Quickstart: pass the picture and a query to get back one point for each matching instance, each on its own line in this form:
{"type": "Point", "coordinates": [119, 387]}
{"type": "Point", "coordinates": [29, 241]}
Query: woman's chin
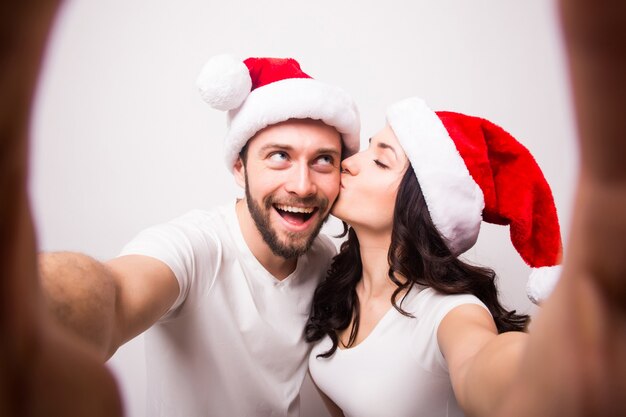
{"type": "Point", "coordinates": [339, 211]}
{"type": "Point", "coordinates": [338, 215]}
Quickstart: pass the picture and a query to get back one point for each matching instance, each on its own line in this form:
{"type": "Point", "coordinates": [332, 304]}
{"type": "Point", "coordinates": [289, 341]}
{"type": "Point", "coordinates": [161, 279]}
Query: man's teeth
{"type": "Point", "coordinates": [305, 210]}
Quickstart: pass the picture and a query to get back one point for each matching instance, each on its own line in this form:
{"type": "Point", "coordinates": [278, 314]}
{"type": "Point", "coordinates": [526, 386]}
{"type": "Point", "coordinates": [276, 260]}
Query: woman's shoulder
{"type": "Point", "coordinates": [428, 302]}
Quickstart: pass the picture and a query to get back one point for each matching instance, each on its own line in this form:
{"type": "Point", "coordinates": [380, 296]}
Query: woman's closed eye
{"type": "Point", "coordinates": [380, 164]}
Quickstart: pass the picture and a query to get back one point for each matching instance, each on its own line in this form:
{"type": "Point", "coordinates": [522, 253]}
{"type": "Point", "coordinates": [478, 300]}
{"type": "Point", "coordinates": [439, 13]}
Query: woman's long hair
{"type": "Point", "coordinates": [418, 253]}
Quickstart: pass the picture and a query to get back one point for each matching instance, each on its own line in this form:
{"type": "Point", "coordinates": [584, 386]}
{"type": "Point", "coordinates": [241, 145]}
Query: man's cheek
{"type": "Point", "coordinates": [334, 191]}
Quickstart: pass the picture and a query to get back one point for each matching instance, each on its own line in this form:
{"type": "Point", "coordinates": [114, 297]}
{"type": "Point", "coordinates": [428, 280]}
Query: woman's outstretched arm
{"type": "Point", "coordinates": [575, 363]}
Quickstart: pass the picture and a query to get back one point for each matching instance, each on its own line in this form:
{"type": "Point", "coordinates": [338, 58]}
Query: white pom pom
{"type": "Point", "coordinates": [224, 82]}
{"type": "Point", "coordinates": [541, 282]}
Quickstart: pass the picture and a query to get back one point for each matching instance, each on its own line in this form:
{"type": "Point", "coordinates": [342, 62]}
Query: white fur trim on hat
{"type": "Point", "coordinates": [455, 202]}
{"type": "Point", "coordinates": [224, 82]}
{"type": "Point", "coordinates": [293, 98]}
{"type": "Point", "coordinates": [541, 282]}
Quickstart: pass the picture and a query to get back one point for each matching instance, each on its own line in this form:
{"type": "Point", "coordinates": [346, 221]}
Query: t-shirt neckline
{"type": "Point", "coordinates": [245, 254]}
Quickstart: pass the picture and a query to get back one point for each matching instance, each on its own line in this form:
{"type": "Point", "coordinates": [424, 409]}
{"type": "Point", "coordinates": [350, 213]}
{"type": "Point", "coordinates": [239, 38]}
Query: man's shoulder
{"type": "Point", "coordinates": [196, 229]}
{"type": "Point", "coordinates": [201, 215]}
{"type": "Point", "coordinates": [204, 219]}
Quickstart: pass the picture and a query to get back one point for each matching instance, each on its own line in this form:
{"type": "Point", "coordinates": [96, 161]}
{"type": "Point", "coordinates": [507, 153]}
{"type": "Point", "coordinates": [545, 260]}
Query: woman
{"type": "Point", "coordinates": [404, 327]}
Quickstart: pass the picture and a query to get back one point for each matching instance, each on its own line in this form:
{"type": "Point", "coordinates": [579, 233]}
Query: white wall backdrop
{"type": "Point", "coordinates": [122, 140]}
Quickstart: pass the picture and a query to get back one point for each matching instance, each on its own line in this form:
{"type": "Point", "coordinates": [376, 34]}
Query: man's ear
{"type": "Point", "coordinates": [239, 170]}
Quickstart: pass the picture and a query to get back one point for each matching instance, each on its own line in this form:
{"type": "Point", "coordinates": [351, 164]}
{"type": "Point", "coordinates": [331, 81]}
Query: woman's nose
{"type": "Point", "coordinates": [349, 165]}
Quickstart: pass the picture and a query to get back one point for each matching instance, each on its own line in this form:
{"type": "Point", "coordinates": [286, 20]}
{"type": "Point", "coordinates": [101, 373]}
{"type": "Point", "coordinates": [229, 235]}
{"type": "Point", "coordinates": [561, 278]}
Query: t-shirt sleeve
{"type": "Point", "coordinates": [191, 251]}
{"type": "Point", "coordinates": [433, 309]}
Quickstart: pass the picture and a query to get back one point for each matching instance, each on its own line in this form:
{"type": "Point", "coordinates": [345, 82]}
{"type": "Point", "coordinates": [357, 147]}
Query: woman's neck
{"type": "Point", "coordinates": [374, 250]}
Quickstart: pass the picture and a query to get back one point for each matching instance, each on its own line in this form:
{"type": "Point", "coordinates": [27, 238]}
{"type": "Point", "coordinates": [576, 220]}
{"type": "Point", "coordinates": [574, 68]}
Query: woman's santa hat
{"type": "Point", "coordinates": [471, 170]}
{"type": "Point", "coordinates": [260, 92]}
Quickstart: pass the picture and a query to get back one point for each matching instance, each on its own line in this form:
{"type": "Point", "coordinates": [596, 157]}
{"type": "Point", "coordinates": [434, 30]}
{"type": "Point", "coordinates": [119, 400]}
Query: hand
{"type": "Point", "coordinates": [44, 372]}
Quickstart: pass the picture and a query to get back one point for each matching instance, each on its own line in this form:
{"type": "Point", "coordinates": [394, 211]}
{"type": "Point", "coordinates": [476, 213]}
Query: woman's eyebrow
{"type": "Point", "coordinates": [383, 145]}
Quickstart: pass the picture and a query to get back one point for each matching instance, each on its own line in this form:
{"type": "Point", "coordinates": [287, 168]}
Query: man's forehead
{"type": "Point", "coordinates": [294, 132]}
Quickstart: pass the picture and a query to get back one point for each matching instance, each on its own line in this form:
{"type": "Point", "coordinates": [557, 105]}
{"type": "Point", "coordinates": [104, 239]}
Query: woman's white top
{"type": "Point", "coordinates": [398, 370]}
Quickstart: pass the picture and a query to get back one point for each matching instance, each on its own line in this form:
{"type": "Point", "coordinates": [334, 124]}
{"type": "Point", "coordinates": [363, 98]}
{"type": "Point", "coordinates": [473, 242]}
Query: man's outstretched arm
{"type": "Point", "coordinates": [44, 371]}
{"type": "Point", "coordinates": [106, 303]}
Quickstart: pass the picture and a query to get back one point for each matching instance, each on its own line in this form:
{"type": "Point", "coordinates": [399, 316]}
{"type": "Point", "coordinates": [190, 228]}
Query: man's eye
{"type": "Point", "coordinates": [279, 156]}
{"type": "Point", "coordinates": [380, 164]}
{"type": "Point", "coordinates": [325, 160]}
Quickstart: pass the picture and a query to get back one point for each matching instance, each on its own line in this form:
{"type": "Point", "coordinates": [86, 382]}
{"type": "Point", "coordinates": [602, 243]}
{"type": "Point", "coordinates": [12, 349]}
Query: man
{"type": "Point", "coordinates": [229, 289]}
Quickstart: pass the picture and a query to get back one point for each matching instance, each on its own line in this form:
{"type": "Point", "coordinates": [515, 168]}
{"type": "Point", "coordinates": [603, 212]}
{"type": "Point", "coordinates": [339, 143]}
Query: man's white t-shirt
{"type": "Point", "coordinates": [398, 370]}
{"type": "Point", "coordinates": [233, 342]}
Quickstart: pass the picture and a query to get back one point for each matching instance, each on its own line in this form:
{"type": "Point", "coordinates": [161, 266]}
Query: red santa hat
{"type": "Point", "coordinates": [260, 92]}
{"type": "Point", "coordinates": [471, 170]}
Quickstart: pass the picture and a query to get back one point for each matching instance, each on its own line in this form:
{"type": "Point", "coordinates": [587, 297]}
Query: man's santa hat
{"type": "Point", "coordinates": [260, 92]}
{"type": "Point", "coordinates": [471, 170]}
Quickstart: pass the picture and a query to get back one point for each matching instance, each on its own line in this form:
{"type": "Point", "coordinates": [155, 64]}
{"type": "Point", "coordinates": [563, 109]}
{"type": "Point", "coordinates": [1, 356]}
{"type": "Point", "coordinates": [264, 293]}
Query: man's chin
{"type": "Point", "coordinates": [288, 244]}
{"type": "Point", "coordinates": [298, 246]}
{"type": "Point", "coordinates": [288, 252]}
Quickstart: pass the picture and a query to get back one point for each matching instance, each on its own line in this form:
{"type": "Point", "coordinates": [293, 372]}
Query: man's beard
{"type": "Point", "coordinates": [295, 244]}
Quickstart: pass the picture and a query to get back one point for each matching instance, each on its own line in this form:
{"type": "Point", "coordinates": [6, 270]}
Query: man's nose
{"type": "Point", "coordinates": [301, 182]}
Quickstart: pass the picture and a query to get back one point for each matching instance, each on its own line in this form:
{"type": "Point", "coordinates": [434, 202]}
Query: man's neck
{"type": "Point", "coordinates": [278, 266]}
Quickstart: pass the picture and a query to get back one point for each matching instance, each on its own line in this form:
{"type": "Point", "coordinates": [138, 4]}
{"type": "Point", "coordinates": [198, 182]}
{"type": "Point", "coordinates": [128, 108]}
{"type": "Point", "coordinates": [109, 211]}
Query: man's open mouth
{"type": "Point", "coordinates": [295, 215]}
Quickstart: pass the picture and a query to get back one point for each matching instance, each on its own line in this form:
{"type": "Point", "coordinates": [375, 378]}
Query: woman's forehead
{"type": "Point", "coordinates": [386, 139]}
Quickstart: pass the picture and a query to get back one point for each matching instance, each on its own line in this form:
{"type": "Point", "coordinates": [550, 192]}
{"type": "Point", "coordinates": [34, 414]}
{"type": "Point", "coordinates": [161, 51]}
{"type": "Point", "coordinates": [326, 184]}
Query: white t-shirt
{"type": "Point", "coordinates": [233, 342]}
{"type": "Point", "coordinates": [398, 370]}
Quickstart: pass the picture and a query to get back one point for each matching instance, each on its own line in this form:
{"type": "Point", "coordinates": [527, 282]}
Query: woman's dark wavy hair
{"type": "Point", "coordinates": [417, 252]}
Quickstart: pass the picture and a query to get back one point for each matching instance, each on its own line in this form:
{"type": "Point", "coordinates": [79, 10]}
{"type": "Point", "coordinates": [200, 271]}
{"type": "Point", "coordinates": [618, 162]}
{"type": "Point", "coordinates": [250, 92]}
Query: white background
{"type": "Point", "coordinates": [122, 140]}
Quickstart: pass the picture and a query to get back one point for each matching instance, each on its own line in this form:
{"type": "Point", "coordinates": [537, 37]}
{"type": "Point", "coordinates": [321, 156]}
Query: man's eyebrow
{"type": "Point", "coordinates": [383, 145]}
{"type": "Point", "coordinates": [284, 147]}
{"type": "Point", "coordinates": [331, 151]}
{"type": "Point", "coordinates": [275, 146]}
